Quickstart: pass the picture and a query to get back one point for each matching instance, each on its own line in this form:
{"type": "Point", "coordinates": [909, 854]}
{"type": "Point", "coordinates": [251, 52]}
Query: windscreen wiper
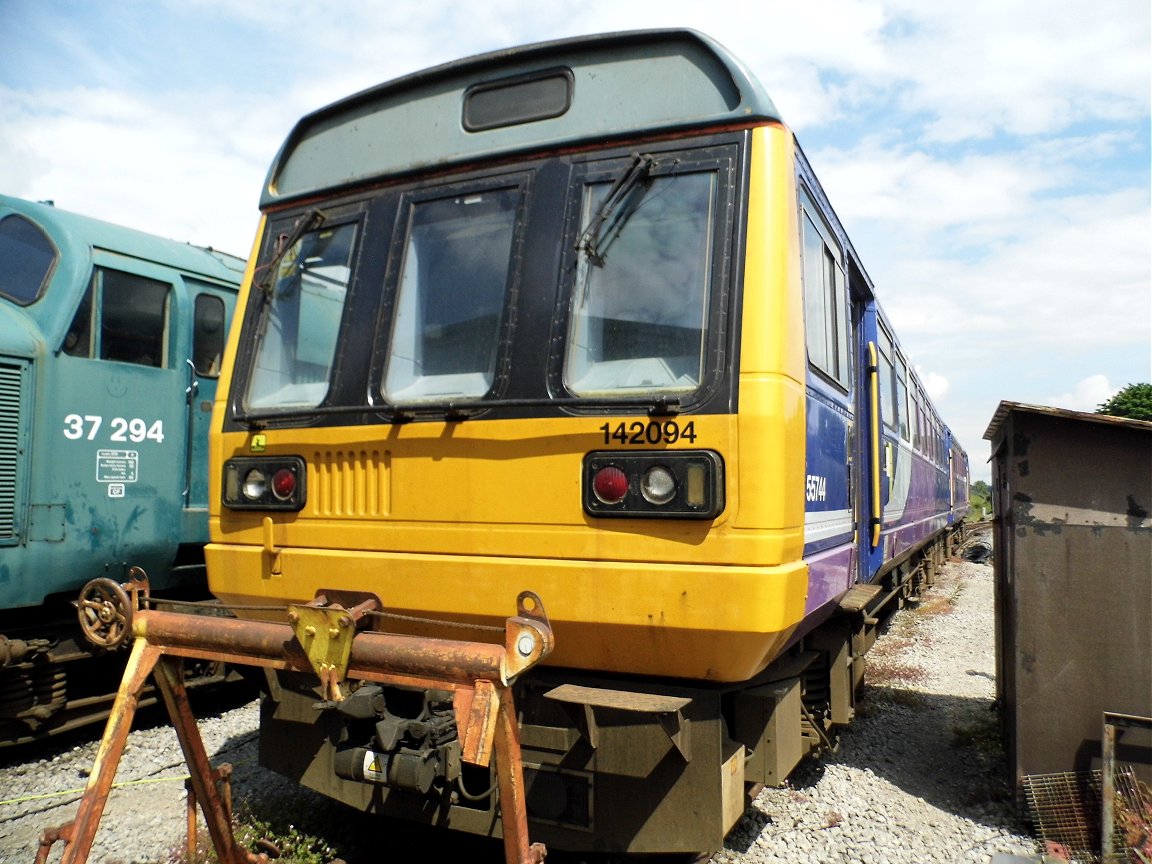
{"type": "Point", "coordinates": [312, 219]}
{"type": "Point", "coordinates": [613, 211]}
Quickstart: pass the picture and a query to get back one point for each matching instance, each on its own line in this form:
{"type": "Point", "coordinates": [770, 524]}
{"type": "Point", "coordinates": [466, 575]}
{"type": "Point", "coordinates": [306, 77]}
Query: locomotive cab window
{"type": "Point", "coordinates": [454, 276]}
{"type": "Point", "coordinates": [825, 299]}
{"type": "Point", "coordinates": [208, 335]}
{"type": "Point", "coordinates": [27, 257]}
{"type": "Point", "coordinates": [296, 342]}
{"type": "Point", "coordinates": [644, 280]}
{"type": "Point", "coordinates": [130, 324]}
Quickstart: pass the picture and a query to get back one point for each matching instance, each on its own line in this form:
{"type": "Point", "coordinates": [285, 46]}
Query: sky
{"type": "Point", "coordinates": [989, 159]}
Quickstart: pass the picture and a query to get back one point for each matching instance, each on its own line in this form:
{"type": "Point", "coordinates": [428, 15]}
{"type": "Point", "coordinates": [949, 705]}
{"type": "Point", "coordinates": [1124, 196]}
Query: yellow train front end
{"type": "Point", "coordinates": [571, 368]}
{"type": "Point", "coordinates": [452, 519]}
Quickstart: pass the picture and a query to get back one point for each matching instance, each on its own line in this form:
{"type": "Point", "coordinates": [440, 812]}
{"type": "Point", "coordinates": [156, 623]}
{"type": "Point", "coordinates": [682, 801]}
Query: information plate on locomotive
{"type": "Point", "coordinates": [117, 466]}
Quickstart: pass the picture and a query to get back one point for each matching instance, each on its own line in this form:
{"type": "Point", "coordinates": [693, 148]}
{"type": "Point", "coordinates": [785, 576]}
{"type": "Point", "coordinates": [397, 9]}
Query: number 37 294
{"type": "Point", "coordinates": [89, 426]}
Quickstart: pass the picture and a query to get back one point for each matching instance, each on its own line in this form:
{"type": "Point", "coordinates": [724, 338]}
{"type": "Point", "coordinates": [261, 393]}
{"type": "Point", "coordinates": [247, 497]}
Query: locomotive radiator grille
{"type": "Point", "coordinates": [11, 378]}
{"type": "Point", "coordinates": [351, 483]}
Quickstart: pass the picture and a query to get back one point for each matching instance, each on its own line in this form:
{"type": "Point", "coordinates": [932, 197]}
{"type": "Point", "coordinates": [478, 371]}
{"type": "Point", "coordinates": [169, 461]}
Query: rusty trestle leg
{"type": "Point", "coordinates": [169, 677]}
{"type": "Point", "coordinates": [80, 833]}
{"type": "Point", "coordinates": [510, 776]}
{"type": "Point", "coordinates": [324, 638]}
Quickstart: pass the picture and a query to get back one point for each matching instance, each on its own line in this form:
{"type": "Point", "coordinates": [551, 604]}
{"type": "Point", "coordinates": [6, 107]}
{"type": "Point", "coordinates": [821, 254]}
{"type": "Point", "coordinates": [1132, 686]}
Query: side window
{"type": "Point", "coordinates": [825, 301]}
{"type": "Point", "coordinates": [78, 340]}
{"type": "Point", "coordinates": [888, 380]}
{"type": "Point", "coordinates": [919, 439]}
{"type": "Point", "coordinates": [902, 398]}
{"type": "Point", "coordinates": [208, 332]}
{"type": "Point", "coordinates": [123, 317]}
{"type": "Point", "coordinates": [28, 257]}
{"type": "Point", "coordinates": [134, 325]}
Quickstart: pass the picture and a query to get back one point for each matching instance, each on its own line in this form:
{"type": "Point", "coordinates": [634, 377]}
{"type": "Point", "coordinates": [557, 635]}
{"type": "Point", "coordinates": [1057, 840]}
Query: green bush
{"type": "Point", "coordinates": [1133, 402]}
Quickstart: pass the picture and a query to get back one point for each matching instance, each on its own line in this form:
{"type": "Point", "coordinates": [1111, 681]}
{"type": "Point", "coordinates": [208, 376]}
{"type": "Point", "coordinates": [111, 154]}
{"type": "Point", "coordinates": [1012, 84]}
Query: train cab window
{"type": "Point", "coordinates": [296, 344]}
{"type": "Point", "coordinates": [208, 332]}
{"type": "Point", "coordinates": [27, 257]}
{"type": "Point", "coordinates": [825, 301]}
{"type": "Point", "coordinates": [123, 317]}
{"type": "Point", "coordinates": [643, 285]}
{"type": "Point", "coordinates": [450, 299]}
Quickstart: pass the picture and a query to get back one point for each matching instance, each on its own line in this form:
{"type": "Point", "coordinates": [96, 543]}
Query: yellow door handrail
{"type": "Point", "coordinates": [874, 450]}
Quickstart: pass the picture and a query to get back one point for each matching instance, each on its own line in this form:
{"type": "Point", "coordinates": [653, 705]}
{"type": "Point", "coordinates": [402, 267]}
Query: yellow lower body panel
{"type": "Point", "coordinates": [716, 623]}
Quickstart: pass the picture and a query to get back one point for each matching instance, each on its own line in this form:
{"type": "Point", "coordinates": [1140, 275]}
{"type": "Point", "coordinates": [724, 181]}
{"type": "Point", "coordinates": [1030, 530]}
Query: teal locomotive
{"type": "Point", "coordinates": [111, 342]}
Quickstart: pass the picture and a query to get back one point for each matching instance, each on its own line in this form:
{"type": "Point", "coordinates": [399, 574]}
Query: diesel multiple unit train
{"type": "Point", "coordinates": [577, 319]}
{"type": "Point", "coordinates": [111, 343]}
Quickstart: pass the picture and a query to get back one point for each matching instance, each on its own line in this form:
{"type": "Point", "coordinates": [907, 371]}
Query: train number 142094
{"type": "Point", "coordinates": [652, 432]}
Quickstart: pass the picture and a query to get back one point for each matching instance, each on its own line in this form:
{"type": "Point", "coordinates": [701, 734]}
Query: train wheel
{"type": "Point", "coordinates": [105, 613]}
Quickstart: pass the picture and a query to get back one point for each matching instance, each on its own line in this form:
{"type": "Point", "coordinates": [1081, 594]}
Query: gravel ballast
{"type": "Point", "coordinates": [918, 777]}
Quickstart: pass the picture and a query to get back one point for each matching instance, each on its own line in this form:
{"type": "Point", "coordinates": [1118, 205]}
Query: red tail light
{"type": "Point", "coordinates": [610, 484]}
{"type": "Point", "coordinates": [284, 484]}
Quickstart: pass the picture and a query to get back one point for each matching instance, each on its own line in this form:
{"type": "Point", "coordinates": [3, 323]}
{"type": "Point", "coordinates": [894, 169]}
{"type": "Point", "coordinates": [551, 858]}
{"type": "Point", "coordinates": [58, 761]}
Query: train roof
{"type": "Point", "coordinates": [1005, 408]}
{"type": "Point", "coordinates": [548, 94]}
{"type": "Point", "coordinates": [76, 234]}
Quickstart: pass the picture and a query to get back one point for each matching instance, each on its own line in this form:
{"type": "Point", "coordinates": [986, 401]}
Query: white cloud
{"type": "Point", "coordinates": [916, 191]}
{"type": "Point", "coordinates": [187, 166]}
{"type": "Point", "coordinates": [1086, 395]}
{"type": "Point", "coordinates": [935, 384]}
{"type": "Point", "coordinates": [1025, 67]}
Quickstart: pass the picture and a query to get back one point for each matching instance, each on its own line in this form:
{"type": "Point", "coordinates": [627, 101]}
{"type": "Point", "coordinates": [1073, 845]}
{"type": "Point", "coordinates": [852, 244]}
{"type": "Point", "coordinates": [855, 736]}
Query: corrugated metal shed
{"type": "Point", "coordinates": [1073, 561]}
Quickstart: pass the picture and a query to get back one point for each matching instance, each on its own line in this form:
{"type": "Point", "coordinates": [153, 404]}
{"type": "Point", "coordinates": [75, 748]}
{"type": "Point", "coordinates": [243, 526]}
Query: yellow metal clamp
{"type": "Point", "coordinates": [874, 449]}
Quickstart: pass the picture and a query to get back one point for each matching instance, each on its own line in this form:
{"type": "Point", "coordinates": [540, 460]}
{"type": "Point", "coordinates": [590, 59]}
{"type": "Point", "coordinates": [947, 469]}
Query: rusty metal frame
{"type": "Point", "coordinates": [479, 674]}
{"type": "Point", "coordinates": [1115, 725]}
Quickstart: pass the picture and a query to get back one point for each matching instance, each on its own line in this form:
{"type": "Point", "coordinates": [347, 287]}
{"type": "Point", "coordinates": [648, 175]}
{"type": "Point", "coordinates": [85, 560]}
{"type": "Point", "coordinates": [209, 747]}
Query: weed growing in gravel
{"type": "Point", "coordinates": [939, 603]}
{"type": "Point", "coordinates": [893, 673]}
{"type": "Point", "coordinates": [891, 644]}
{"type": "Point", "coordinates": [982, 733]}
{"type": "Point", "coordinates": [283, 842]}
{"type": "Point", "coordinates": [913, 700]}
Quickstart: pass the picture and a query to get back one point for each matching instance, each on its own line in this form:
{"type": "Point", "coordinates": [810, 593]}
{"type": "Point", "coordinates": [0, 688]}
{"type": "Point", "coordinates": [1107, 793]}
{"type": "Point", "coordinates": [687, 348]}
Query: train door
{"type": "Point", "coordinates": [211, 311]}
{"type": "Point", "coordinates": [867, 454]}
{"type": "Point", "coordinates": [951, 478]}
{"type": "Point", "coordinates": [830, 548]}
{"type": "Point", "coordinates": [123, 410]}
